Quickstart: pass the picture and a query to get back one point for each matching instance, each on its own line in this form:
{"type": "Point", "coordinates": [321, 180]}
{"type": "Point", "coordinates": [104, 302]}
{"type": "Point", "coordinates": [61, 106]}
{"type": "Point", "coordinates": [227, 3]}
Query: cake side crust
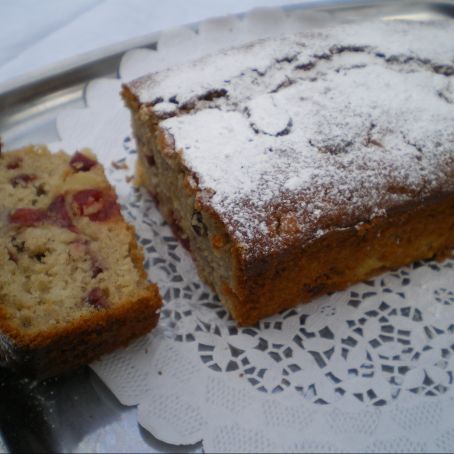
{"type": "Point", "coordinates": [80, 342]}
{"type": "Point", "coordinates": [342, 258]}
{"type": "Point", "coordinates": [292, 149]}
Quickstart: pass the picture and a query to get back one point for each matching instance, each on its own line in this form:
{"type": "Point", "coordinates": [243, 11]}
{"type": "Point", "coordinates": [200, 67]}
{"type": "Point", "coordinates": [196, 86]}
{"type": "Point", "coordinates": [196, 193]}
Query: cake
{"type": "Point", "coordinates": [294, 166]}
{"type": "Point", "coordinates": [72, 281]}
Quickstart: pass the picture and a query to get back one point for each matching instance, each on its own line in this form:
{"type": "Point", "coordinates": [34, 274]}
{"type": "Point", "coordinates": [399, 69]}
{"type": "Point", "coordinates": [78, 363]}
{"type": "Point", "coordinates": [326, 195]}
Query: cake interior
{"type": "Point", "coordinates": [63, 254]}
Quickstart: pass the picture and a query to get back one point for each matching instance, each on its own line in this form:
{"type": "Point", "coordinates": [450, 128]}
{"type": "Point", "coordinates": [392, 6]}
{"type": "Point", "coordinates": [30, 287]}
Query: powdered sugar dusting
{"type": "Point", "coordinates": [309, 133]}
{"type": "Point", "coordinates": [201, 78]}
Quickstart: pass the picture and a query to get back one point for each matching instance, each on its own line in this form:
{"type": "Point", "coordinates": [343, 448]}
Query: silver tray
{"type": "Point", "coordinates": [59, 414]}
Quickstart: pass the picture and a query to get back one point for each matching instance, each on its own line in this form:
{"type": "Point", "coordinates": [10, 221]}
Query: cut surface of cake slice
{"type": "Point", "coordinates": [294, 166]}
{"type": "Point", "coordinates": [72, 281]}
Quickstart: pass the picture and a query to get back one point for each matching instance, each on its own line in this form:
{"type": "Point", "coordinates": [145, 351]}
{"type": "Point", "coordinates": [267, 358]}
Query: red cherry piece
{"type": "Point", "coordinates": [97, 298]}
{"type": "Point", "coordinates": [14, 164]}
{"type": "Point", "coordinates": [179, 233]}
{"type": "Point", "coordinates": [110, 208]}
{"type": "Point", "coordinates": [81, 163]}
{"type": "Point", "coordinates": [87, 202]}
{"type": "Point", "coordinates": [58, 213]}
{"type": "Point", "coordinates": [96, 270]}
{"type": "Point", "coordinates": [96, 205]}
{"type": "Point", "coordinates": [27, 216]}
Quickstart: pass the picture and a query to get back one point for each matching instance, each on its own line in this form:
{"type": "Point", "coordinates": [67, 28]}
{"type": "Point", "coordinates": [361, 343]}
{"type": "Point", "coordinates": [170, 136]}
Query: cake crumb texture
{"type": "Point", "coordinates": [72, 283]}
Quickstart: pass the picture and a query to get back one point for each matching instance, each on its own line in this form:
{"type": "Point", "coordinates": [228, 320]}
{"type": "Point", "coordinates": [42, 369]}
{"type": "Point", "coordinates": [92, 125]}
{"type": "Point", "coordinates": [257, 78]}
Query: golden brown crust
{"type": "Point", "coordinates": [81, 341]}
{"type": "Point", "coordinates": [341, 258]}
{"type": "Point", "coordinates": [136, 253]}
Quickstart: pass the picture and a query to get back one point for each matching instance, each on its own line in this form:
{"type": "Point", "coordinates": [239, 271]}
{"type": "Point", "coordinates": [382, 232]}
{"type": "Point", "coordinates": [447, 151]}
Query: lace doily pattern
{"type": "Point", "coordinates": [382, 349]}
{"type": "Point", "coordinates": [369, 369]}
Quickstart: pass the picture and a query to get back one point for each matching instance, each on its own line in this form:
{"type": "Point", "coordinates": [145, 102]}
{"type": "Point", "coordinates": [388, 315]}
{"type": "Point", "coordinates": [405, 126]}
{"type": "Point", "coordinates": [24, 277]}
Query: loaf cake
{"type": "Point", "coordinates": [295, 166]}
{"type": "Point", "coordinates": [72, 282]}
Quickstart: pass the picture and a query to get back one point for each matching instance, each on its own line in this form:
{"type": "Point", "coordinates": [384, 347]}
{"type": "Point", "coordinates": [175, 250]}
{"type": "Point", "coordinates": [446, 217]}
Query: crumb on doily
{"type": "Point", "coordinates": [129, 178]}
{"type": "Point", "coordinates": [119, 165]}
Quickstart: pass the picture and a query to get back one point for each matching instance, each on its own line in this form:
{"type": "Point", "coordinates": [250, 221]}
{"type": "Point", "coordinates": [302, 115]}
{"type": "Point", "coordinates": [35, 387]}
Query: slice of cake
{"type": "Point", "coordinates": [295, 166]}
{"type": "Point", "coordinates": [72, 282]}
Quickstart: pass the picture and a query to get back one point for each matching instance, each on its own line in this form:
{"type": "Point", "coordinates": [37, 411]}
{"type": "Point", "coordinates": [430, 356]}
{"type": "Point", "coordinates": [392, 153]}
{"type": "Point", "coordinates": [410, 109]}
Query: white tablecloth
{"type": "Point", "coordinates": [37, 33]}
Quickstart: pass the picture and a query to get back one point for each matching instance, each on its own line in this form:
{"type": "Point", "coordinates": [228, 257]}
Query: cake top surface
{"type": "Point", "coordinates": [295, 136]}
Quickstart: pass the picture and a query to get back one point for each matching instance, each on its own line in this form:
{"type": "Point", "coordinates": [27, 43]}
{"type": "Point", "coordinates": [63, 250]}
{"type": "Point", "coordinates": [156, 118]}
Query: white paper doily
{"type": "Point", "coordinates": [368, 369]}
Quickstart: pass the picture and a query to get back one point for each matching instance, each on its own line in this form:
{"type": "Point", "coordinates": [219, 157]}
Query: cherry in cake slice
{"type": "Point", "coordinates": [72, 282]}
